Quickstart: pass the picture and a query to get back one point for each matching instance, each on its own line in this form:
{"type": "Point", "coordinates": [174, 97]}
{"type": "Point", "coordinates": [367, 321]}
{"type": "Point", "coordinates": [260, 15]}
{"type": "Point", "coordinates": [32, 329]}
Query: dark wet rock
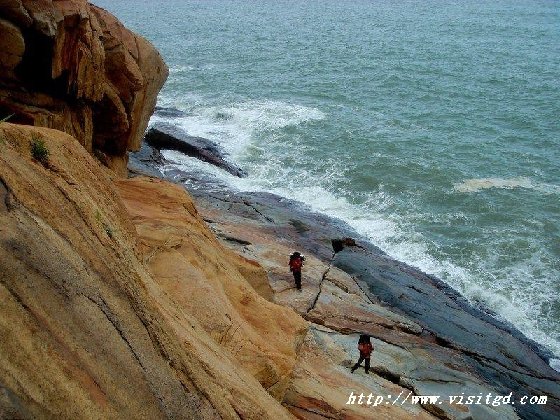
{"type": "Point", "coordinates": [497, 352]}
{"type": "Point", "coordinates": [149, 155]}
{"type": "Point", "coordinates": [339, 244]}
{"type": "Point", "coordinates": [146, 161]}
{"type": "Point", "coordinates": [169, 137]}
{"type": "Point", "coordinates": [455, 333]}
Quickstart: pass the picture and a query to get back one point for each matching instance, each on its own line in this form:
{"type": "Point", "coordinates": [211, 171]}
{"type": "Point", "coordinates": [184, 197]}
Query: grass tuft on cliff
{"type": "Point", "coordinates": [2, 141]}
{"type": "Point", "coordinates": [39, 151]}
{"type": "Point", "coordinates": [108, 231]}
{"type": "Point", "coordinates": [6, 118]}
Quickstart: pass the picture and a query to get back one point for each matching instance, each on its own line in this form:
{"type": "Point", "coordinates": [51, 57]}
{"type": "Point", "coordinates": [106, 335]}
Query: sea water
{"type": "Point", "coordinates": [432, 127]}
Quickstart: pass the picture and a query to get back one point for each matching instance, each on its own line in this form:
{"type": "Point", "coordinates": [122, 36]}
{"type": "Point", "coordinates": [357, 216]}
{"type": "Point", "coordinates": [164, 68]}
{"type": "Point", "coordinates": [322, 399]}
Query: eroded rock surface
{"type": "Point", "coordinates": [99, 321]}
{"type": "Point", "coordinates": [72, 66]}
{"type": "Point", "coordinates": [121, 299]}
{"type": "Point", "coordinates": [213, 284]}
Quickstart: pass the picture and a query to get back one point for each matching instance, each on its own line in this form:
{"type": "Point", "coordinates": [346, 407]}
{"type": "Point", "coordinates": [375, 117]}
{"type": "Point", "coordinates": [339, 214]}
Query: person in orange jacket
{"type": "Point", "coordinates": [365, 347]}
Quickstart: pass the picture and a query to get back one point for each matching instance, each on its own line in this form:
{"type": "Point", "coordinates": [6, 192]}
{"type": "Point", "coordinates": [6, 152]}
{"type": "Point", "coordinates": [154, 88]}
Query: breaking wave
{"type": "Point", "coordinates": [235, 126]}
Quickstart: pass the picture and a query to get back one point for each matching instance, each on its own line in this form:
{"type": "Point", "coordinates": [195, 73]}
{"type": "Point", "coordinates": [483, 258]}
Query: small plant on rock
{"type": "Point", "coordinates": [6, 118]}
{"type": "Point", "coordinates": [39, 151]}
{"type": "Point", "coordinates": [108, 231]}
{"type": "Point", "coordinates": [2, 141]}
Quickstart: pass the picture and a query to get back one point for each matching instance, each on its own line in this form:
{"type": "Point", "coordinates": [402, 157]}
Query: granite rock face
{"type": "Point", "coordinates": [128, 301]}
{"type": "Point", "coordinates": [72, 66]}
{"type": "Point", "coordinates": [122, 299]}
{"type": "Point", "coordinates": [106, 314]}
{"type": "Point", "coordinates": [213, 284]}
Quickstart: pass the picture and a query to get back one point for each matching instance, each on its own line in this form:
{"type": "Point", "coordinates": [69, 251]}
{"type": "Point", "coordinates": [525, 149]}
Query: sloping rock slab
{"type": "Point", "coordinates": [168, 137]}
{"type": "Point", "coordinates": [88, 328]}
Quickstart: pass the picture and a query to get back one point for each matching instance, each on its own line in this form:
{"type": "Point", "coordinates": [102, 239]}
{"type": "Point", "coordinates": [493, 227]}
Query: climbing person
{"type": "Point", "coordinates": [296, 262]}
{"type": "Point", "coordinates": [365, 347]}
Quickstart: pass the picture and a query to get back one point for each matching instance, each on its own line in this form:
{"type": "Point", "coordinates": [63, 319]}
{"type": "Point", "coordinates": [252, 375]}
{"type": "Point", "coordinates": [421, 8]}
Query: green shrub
{"type": "Point", "coordinates": [39, 151]}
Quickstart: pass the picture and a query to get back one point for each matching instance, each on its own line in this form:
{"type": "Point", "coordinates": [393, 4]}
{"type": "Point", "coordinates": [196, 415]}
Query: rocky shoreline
{"type": "Point", "coordinates": [124, 297]}
{"type": "Point", "coordinates": [428, 338]}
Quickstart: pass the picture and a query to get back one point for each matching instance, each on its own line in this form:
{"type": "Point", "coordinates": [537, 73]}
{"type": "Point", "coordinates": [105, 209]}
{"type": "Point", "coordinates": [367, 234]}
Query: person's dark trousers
{"type": "Point", "coordinates": [297, 278]}
{"type": "Point", "coordinates": [360, 360]}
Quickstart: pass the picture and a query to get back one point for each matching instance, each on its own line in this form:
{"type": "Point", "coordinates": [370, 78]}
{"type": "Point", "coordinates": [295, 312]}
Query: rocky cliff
{"type": "Point", "coordinates": [72, 66]}
{"type": "Point", "coordinates": [118, 301]}
{"type": "Point", "coordinates": [121, 298]}
{"type": "Point", "coordinates": [99, 321]}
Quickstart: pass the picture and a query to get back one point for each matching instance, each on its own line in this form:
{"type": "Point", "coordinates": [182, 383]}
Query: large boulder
{"type": "Point", "coordinates": [72, 66]}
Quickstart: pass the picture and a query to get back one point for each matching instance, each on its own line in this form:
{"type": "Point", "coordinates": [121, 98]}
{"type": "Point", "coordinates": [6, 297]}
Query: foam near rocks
{"type": "Point", "coordinates": [479, 184]}
{"type": "Point", "coordinates": [235, 125]}
{"type": "Point", "coordinates": [397, 237]}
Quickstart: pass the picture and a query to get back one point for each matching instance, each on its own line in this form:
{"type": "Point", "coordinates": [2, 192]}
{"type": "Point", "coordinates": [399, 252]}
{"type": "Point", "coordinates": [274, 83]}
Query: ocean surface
{"type": "Point", "coordinates": [431, 127]}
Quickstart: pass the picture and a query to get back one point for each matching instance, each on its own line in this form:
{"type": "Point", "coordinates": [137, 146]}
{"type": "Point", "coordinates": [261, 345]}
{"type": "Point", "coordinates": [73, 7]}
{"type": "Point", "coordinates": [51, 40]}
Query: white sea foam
{"type": "Point", "coordinates": [555, 364]}
{"type": "Point", "coordinates": [505, 297]}
{"type": "Point", "coordinates": [394, 235]}
{"type": "Point", "coordinates": [180, 69]}
{"type": "Point", "coordinates": [478, 184]}
{"type": "Point", "coordinates": [234, 126]}
{"type": "Point", "coordinates": [191, 164]}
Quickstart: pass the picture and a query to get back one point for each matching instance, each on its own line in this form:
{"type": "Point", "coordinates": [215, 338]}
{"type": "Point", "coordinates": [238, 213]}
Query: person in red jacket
{"type": "Point", "coordinates": [296, 262]}
{"type": "Point", "coordinates": [365, 347]}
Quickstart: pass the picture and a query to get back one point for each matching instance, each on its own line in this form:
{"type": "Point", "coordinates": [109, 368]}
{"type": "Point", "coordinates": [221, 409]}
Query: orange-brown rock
{"type": "Point", "coordinates": [12, 46]}
{"type": "Point", "coordinates": [209, 282]}
{"type": "Point", "coordinates": [72, 66]}
{"type": "Point", "coordinates": [88, 330]}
